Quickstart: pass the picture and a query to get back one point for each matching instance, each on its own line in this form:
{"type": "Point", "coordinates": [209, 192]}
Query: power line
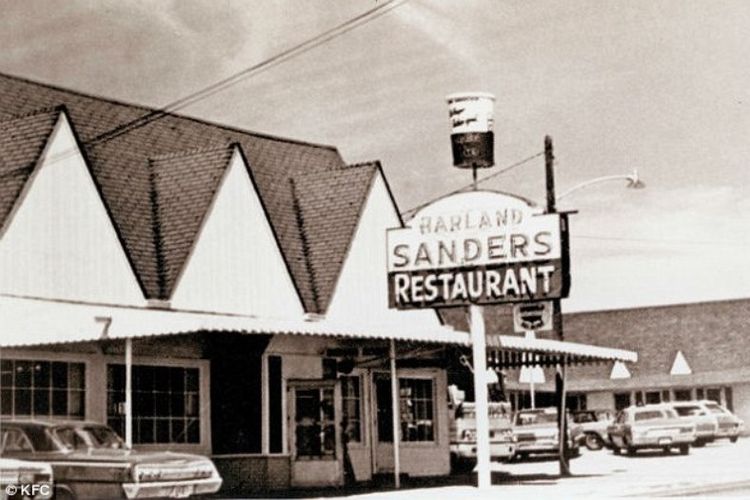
{"type": "Point", "coordinates": [283, 56]}
{"type": "Point", "coordinates": [469, 186]}
{"type": "Point", "coordinates": [660, 241]}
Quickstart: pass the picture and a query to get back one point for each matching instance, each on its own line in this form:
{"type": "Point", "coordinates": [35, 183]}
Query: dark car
{"type": "Point", "coordinates": [89, 460]}
{"type": "Point", "coordinates": [594, 424]}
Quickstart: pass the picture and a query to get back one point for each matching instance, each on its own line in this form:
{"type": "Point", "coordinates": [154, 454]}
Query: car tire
{"type": "Point", "coordinates": [684, 449]}
{"type": "Point", "coordinates": [593, 442]}
{"type": "Point", "coordinates": [666, 450]}
{"type": "Point", "coordinates": [631, 451]}
{"type": "Point", "coordinates": [733, 439]}
{"type": "Point", "coordinates": [699, 443]}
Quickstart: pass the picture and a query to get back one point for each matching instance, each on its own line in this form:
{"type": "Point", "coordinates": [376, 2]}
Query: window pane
{"type": "Point", "coordinates": [6, 373]}
{"type": "Point", "coordinates": [42, 402]}
{"type": "Point", "coordinates": [59, 402]}
{"type": "Point", "coordinates": [42, 374]}
{"type": "Point", "coordinates": [22, 403]}
{"type": "Point", "coordinates": [60, 375]}
{"type": "Point", "coordinates": [23, 374]}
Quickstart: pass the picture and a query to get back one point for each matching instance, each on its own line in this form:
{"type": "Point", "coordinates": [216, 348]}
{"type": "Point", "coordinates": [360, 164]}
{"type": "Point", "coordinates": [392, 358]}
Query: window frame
{"type": "Point", "coordinates": [431, 376]}
{"type": "Point", "coordinates": [362, 441]}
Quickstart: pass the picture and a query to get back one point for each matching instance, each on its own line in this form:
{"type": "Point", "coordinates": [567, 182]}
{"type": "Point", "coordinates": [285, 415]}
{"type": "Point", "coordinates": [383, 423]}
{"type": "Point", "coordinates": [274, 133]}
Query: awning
{"type": "Point", "coordinates": [510, 351]}
{"type": "Point", "coordinates": [32, 321]}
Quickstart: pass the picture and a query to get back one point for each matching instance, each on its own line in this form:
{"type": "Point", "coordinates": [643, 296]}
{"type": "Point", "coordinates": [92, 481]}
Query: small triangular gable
{"type": "Point", "coordinates": [619, 371]}
{"type": "Point", "coordinates": [236, 265]}
{"type": "Point", "coordinates": [680, 365]}
{"type": "Point", "coordinates": [361, 293]}
{"type": "Point", "coordinates": [60, 242]}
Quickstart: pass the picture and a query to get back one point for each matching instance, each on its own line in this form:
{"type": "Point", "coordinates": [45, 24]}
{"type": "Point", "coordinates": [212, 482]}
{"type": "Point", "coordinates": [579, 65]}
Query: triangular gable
{"type": "Point", "coordinates": [680, 365]}
{"type": "Point", "coordinates": [361, 293]}
{"type": "Point", "coordinates": [619, 371]}
{"type": "Point", "coordinates": [236, 265]}
{"type": "Point", "coordinates": [60, 241]}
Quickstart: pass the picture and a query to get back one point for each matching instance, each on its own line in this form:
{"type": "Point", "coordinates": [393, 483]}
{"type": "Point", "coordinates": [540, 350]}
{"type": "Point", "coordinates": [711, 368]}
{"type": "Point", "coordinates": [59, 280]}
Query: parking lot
{"type": "Point", "coordinates": [718, 469]}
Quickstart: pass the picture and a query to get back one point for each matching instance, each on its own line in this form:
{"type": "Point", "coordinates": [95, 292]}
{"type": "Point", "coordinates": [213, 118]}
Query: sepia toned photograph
{"type": "Point", "coordinates": [374, 248]}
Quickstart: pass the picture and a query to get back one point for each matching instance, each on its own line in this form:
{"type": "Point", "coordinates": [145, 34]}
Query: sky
{"type": "Point", "coordinates": [658, 86]}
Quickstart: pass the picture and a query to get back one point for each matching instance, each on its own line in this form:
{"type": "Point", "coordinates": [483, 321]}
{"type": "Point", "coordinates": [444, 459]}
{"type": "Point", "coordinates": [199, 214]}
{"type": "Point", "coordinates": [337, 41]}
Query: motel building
{"type": "Point", "coordinates": [240, 278]}
{"type": "Point", "coordinates": [685, 351]}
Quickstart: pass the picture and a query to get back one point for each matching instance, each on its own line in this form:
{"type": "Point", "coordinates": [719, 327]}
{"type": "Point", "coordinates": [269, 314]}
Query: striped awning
{"type": "Point", "coordinates": [31, 321]}
{"type": "Point", "coordinates": [510, 351]}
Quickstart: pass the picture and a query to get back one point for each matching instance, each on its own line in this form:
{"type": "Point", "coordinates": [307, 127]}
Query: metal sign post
{"type": "Point", "coordinates": [479, 352]}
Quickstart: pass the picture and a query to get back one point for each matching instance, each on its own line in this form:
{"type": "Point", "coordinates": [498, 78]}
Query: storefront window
{"type": "Point", "coordinates": [682, 395]}
{"type": "Point", "coordinates": [351, 395]}
{"type": "Point", "coordinates": [622, 400]}
{"type": "Point", "coordinates": [315, 423]}
{"type": "Point", "coordinates": [417, 412]}
{"type": "Point", "coordinates": [166, 403]}
{"type": "Point", "coordinates": [32, 388]}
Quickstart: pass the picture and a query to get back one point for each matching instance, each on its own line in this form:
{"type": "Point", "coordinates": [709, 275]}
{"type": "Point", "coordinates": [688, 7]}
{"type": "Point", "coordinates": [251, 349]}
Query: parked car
{"type": "Point", "coordinates": [650, 426]}
{"type": "Point", "coordinates": [593, 424]}
{"type": "Point", "coordinates": [89, 460]}
{"type": "Point", "coordinates": [730, 426]}
{"type": "Point", "coordinates": [24, 479]}
{"type": "Point", "coordinates": [706, 422]}
{"type": "Point", "coordinates": [463, 427]}
{"type": "Point", "coordinates": [536, 433]}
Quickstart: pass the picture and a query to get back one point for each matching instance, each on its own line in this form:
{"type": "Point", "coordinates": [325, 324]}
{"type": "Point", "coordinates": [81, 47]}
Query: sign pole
{"type": "Point", "coordinates": [479, 352]}
{"type": "Point", "coordinates": [129, 392]}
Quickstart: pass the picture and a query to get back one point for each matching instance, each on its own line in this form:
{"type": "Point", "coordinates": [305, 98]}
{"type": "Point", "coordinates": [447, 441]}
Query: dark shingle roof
{"type": "Point", "coordinates": [711, 335]}
{"type": "Point", "coordinates": [124, 168]}
{"type": "Point", "coordinates": [22, 141]}
{"type": "Point", "coordinates": [328, 207]}
{"type": "Point", "coordinates": [183, 184]}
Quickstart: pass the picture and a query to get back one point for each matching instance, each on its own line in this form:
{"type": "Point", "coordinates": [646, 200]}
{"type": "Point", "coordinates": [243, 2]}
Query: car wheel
{"type": "Point", "coordinates": [699, 443]}
{"type": "Point", "coordinates": [593, 442]}
{"type": "Point", "coordinates": [665, 450]}
{"type": "Point", "coordinates": [631, 451]}
{"type": "Point", "coordinates": [733, 439]}
{"type": "Point", "coordinates": [684, 449]}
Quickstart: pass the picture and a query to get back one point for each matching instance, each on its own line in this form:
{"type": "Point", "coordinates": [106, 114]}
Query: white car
{"type": "Point", "coordinates": [706, 422]}
{"type": "Point", "coordinates": [650, 426]}
{"type": "Point", "coordinates": [730, 426]}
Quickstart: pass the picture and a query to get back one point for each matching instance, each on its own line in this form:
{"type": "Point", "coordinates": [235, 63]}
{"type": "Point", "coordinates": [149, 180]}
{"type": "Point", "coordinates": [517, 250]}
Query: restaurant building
{"type": "Point", "coordinates": [685, 351]}
{"type": "Point", "coordinates": [242, 277]}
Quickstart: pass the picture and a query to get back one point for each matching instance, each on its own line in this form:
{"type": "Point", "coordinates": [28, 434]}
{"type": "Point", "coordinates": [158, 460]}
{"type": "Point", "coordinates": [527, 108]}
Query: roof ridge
{"type": "Point", "coordinates": [149, 109]}
{"type": "Point", "coordinates": [193, 151]}
{"type": "Point", "coordinates": [41, 111]}
{"type": "Point", "coordinates": [371, 163]}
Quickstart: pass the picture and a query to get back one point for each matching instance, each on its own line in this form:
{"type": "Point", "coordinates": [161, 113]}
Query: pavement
{"type": "Point", "coordinates": [720, 469]}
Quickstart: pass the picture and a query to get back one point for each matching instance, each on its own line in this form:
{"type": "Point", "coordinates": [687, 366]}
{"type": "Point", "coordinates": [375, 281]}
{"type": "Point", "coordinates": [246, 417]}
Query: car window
{"type": "Point", "coordinates": [38, 436]}
{"type": "Point", "coordinates": [687, 411]}
{"type": "Point", "coordinates": [14, 440]}
{"type": "Point", "coordinates": [582, 418]}
{"type": "Point", "coordinates": [716, 409]}
{"type": "Point", "coordinates": [648, 415]}
{"type": "Point", "coordinates": [535, 418]}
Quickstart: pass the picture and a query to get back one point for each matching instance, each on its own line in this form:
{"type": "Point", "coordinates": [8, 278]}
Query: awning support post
{"type": "Point", "coordinates": [479, 353]}
{"type": "Point", "coordinates": [129, 392]}
{"type": "Point", "coordinates": [396, 418]}
{"type": "Point", "coordinates": [562, 420]}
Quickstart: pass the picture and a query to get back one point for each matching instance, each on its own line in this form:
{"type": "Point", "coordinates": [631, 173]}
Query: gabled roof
{"type": "Point", "coordinates": [183, 184]}
{"type": "Point", "coordinates": [125, 167]}
{"type": "Point", "coordinates": [329, 205]}
{"type": "Point", "coordinates": [22, 141]}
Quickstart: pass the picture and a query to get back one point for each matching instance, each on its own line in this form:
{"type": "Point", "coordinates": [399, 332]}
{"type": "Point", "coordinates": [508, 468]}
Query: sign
{"type": "Point", "coordinates": [472, 138]}
{"type": "Point", "coordinates": [478, 247]}
{"type": "Point", "coordinates": [532, 316]}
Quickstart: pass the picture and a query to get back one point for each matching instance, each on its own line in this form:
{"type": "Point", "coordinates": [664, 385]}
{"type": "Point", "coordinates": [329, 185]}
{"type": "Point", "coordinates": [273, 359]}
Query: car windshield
{"type": "Point", "coordinates": [535, 418]}
{"type": "Point", "coordinates": [582, 418]}
{"type": "Point", "coordinates": [89, 437]}
{"type": "Point", "coordinates": [717, 409]}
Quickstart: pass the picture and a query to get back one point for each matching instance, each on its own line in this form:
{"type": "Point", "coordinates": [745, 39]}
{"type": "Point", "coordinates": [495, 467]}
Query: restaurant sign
{"type": "Point", "coordinates": [477, 247]}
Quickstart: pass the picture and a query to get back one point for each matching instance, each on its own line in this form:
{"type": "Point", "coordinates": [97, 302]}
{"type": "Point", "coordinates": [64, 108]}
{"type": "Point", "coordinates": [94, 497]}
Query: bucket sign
{"type": "Point", "coordinates": [478, 247]}
{"type": "Point", "coordinates": [472, 136]}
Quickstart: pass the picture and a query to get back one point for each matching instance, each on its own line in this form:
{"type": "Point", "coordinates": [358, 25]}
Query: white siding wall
{"type": "Point", "coordinates": [600, 401]}
{"type": "Point", "coordinates": [61, 242]}
{"type": "Point", "coordinates": [361, 294]}
{"type": "Point", "coordinates": [236, 265]}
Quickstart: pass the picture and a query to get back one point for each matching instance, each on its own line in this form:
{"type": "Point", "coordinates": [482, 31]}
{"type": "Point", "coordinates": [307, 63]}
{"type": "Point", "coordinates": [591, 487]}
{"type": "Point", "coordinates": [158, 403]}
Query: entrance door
{"type": "Point", "coordinates": [383, 424]}
{"type": "Point", "coordinates": [315, 440]}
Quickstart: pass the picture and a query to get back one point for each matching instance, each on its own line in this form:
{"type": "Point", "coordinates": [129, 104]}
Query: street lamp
{"type": "Point", "coordinates": [633, 180]}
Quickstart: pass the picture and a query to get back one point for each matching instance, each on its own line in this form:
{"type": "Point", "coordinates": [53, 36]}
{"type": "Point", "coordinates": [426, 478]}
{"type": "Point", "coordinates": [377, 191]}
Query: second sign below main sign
{"type": "Point", "coordinates": [479, 247]}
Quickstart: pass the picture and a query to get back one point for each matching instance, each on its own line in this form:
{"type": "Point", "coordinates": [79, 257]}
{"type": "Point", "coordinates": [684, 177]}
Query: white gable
{"type": "Point", "coordinates": [619, 370]}
{"type": "Point", "coordinates": [680, 365]}
{"type": "Point", "coordinates": [60, 242]}
{"type": "Point", "coordinates": [236, 265]}
{"type": "Point", "coordinates": [361, 293]}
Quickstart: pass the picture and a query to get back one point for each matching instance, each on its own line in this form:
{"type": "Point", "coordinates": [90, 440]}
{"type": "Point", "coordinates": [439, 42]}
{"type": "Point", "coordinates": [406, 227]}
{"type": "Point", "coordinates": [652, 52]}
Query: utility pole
{"type": "Point", "coordinates": [557, 319]}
